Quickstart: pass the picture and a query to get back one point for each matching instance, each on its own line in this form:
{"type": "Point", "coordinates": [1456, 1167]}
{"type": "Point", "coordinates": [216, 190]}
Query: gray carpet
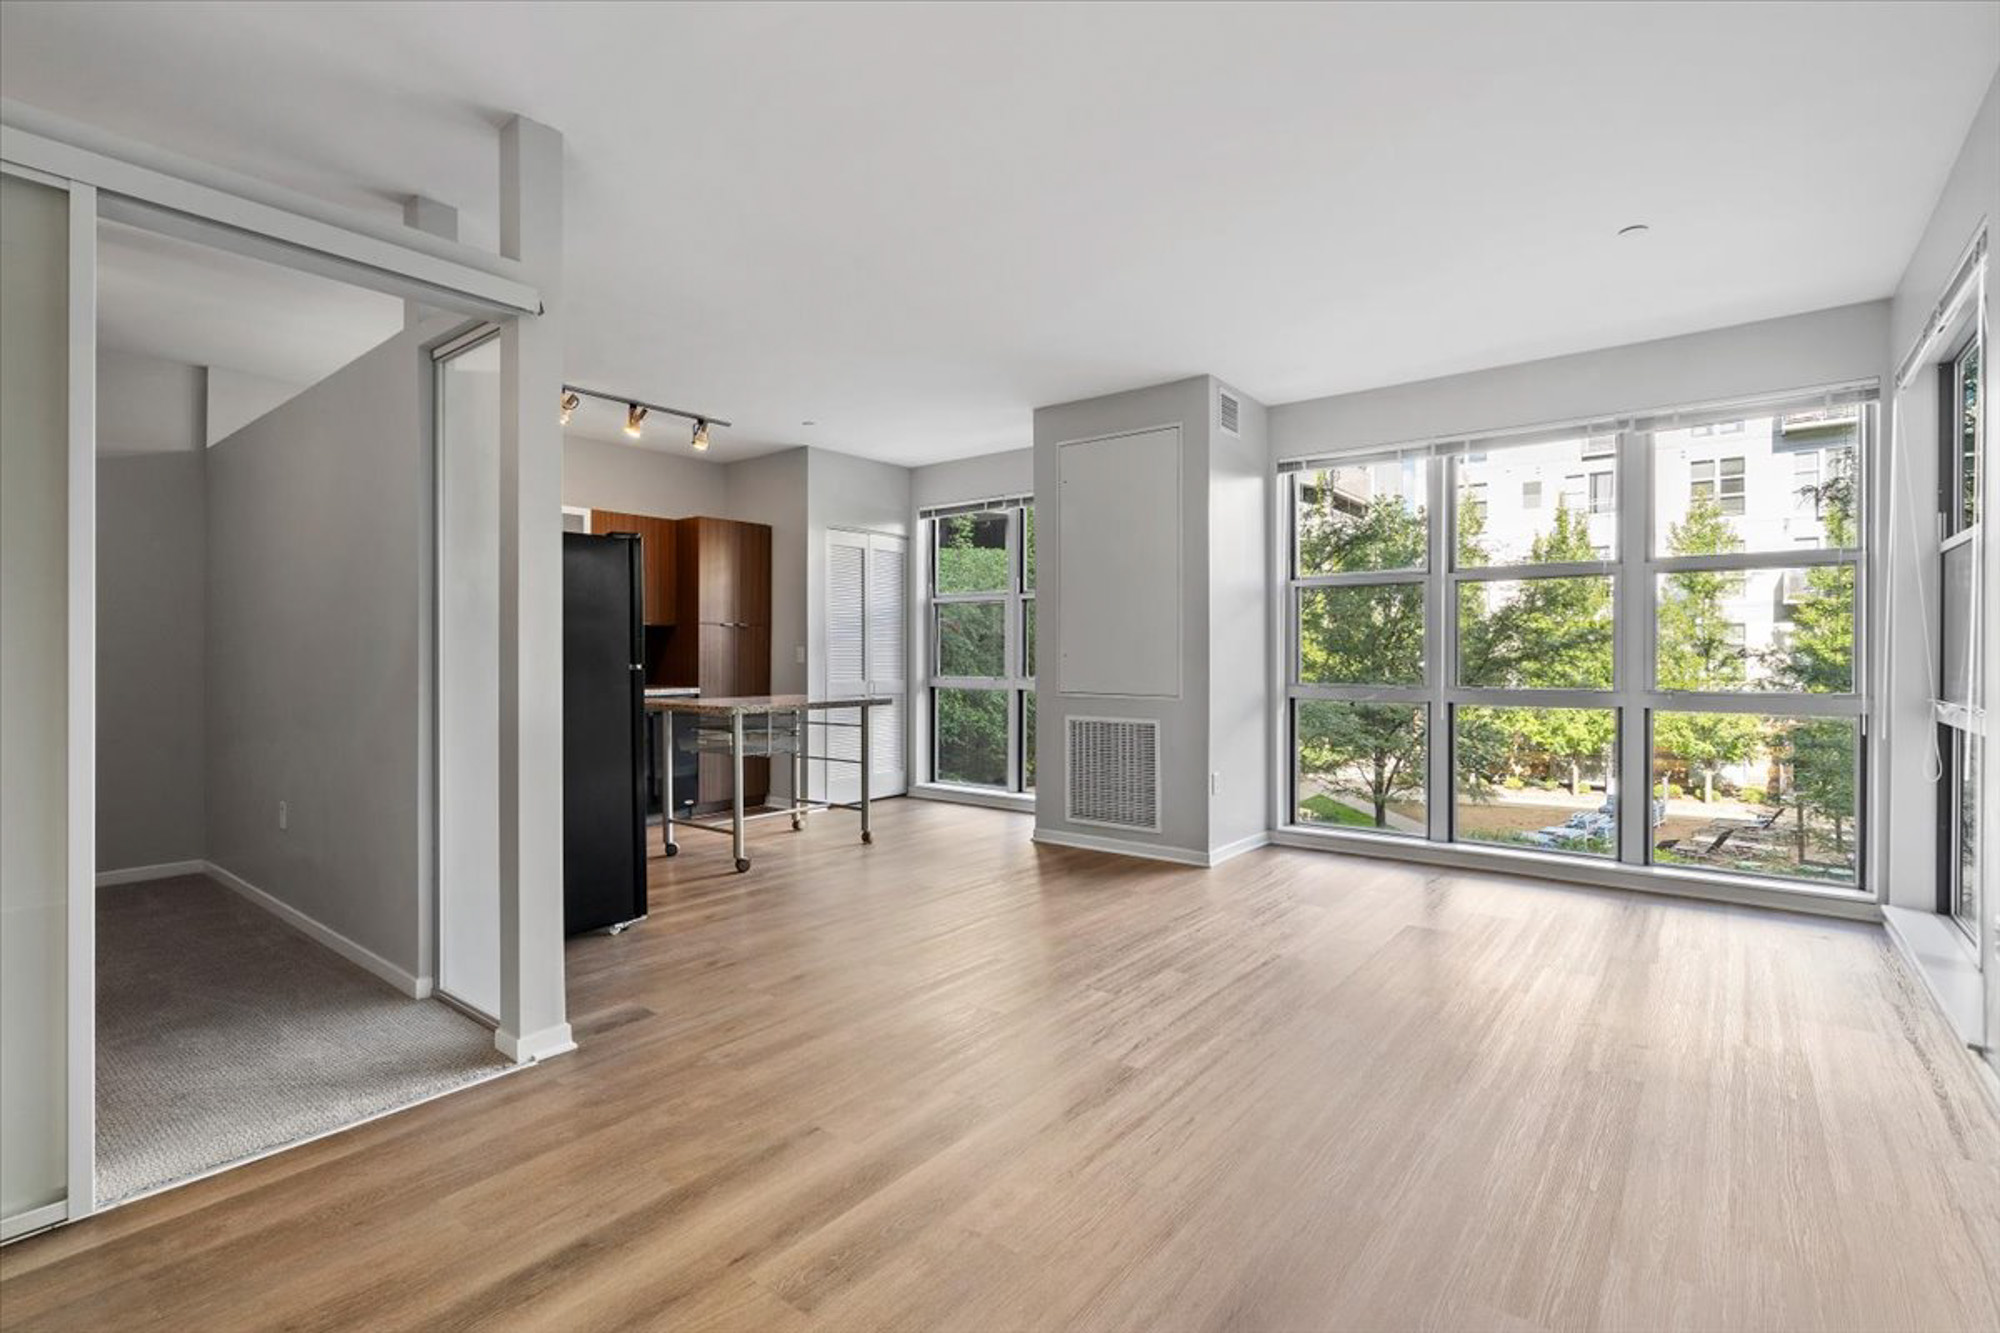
{"type": "Point", "coordinates": [222, 1034]}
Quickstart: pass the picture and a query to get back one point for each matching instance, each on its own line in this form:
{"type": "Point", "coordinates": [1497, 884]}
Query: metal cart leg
{"type": "Point", "coordinates": [670, 847]}
{"type": "Point", "coordinates": [798, 768]}
{"type": "Point", "coordinates": [736, 795]}
{"type": "Point", "coordinates": [867, 834]}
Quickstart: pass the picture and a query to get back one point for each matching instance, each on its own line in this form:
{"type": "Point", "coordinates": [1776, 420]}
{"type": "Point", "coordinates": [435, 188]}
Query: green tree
{"type": "Point", "coordinates": [1696, 651]}
{"type": "Point", "coordinates": [1818, 657]}
{"type": "Point", "coordinates": [1361, 635]}
{"type": "Point", "coordinates": [1553, 633]}
{"type": "Point", "coordinates": [1375, 751]}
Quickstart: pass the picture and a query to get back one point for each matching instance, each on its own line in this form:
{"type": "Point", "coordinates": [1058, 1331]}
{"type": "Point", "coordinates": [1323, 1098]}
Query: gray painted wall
{"type": "Point", "coordinates": [1971, 198]}
{"type": "Point", "coordinates": [631, 480]}
{"type": "Point", "coordinates": [980, 478]}
{"type": "Point", "coordinates": [318, 531]}
{"type": "Point", "coordinates": [1239, 628]}
{"type": "Point", "coordinates": [1799, 351]}
{"type": "Point", "coordinates": [1184, 814]}
{"type": "Point", "coordinates": [772, 489]}
{"type": "Point", "coordinates": [152, 540]}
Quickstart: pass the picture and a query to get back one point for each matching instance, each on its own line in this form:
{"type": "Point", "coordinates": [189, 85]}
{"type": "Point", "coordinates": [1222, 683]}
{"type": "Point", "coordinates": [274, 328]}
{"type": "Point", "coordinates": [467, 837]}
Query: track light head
{"type": "Point", "coordinates": [635, 415]}
{"type": "Point", "coordinates": [700, 438]}
{"type": "Point", "coordinates": [570, 402]}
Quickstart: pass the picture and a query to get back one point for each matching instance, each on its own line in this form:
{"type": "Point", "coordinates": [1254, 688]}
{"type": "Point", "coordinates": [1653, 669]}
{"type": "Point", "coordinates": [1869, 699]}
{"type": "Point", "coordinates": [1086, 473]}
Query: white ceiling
{"type": "Point", "coordinates": [180, 301]}
{"type": "Point", "coordinates": [915, 223]}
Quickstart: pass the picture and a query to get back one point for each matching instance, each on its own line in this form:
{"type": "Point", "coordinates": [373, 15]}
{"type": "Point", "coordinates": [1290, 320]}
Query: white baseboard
{"type": "Point", "coordinates": [1091, 842]}
{"type": "Point", "coordinates": [543, 1045]}
{"type": "Point", "coordinates": [1229, 851]}
{"type": "Point", "coordinates": [140, 874]}
{"type": "Point", "coordinates": [1180, 856]}
{"type": "Point", "coordinates": [410, 984]}
{"type": "Point", "coordinates": [1019, 802]}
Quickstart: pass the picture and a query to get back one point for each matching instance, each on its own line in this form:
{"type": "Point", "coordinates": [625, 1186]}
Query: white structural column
{"type": "Point", "coordinates": [532, 1016]}
{"type": "Point", "coordinates": [433, 219]}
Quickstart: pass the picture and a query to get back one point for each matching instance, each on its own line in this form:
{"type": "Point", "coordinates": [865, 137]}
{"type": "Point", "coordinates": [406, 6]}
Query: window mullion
{"type": "Point", "coordinates": [1440, 657]}
{"type": "Point", "coordinates": [1633, 626]}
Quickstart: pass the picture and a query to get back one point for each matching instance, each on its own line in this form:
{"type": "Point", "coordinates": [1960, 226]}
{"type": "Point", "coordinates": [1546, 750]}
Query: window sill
{"type": "Point", "coordinates": [1021, 802]}
{"type": "Point", "coordinates": [1850, 904]}
{"type": "Point", "coordinates": [1939, 952]}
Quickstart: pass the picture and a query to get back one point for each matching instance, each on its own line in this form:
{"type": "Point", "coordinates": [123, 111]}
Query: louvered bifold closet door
{"type": "Point", "coordinates": [846, 663]}
{"type": "Point", "coordinates": [888, 661]}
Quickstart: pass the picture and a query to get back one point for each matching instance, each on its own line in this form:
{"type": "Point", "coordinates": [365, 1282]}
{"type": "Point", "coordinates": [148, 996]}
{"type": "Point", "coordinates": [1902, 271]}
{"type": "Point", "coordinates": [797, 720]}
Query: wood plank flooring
{"type": "Point", "coordinates": [957, 1081]}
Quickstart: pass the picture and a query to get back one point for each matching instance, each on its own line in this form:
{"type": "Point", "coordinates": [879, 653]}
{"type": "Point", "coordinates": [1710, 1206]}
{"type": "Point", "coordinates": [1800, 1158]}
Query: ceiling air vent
{"type": "Point", "coordinates": [1114, 773]}
{"type": "Point", "coordinates": [1230, 411]}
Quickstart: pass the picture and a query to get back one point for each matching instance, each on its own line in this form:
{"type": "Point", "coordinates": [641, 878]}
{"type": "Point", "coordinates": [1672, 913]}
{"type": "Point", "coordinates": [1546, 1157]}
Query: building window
{"type": "Point", "coordinates": [1718, 481]}
{"type": "Point", "coordinates": [1459, 673]}
{"type": "Point", "coordinates": [982, 646]}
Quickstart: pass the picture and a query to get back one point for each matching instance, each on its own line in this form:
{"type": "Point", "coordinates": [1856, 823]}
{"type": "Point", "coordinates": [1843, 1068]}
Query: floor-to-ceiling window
{"type": "Point", "coordinates": [1961, 445]}
{"type": "Point", "coordinates": [1493, 641]}
{"type": "Point", "coordinates": [981, 645]}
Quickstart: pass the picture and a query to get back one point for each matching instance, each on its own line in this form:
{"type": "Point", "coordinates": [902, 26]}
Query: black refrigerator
{"type": "Point", "coordinates": [604, 733]}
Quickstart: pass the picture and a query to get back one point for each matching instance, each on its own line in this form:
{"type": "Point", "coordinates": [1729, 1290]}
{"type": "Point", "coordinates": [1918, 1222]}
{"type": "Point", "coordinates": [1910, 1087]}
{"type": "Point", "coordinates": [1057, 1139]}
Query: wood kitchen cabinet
{"type": "Point", "coordinates": [721, 642]}
{"type": "Point", "coordinates": [658, 555]}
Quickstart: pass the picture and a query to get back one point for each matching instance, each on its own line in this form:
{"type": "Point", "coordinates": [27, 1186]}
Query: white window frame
{"type": "Point", "coordinates": [1634, 697]}
{"type": "Point", "coordinates": [1017, 678]}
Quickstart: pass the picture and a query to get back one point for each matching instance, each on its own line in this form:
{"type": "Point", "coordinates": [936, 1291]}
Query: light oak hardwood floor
{"type": "Point", "coordinates": [957, 1081]}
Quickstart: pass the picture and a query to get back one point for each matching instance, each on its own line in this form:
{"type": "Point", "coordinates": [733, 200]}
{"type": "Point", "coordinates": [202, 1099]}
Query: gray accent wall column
{"type": "Point", "coordinates": [532, 1006]}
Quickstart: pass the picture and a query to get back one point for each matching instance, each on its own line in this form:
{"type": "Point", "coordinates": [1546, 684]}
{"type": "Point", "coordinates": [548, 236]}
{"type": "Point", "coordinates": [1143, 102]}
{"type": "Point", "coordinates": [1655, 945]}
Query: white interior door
{"type": "Point", "coordinates": [867, 652]}
{"type": "Point", "coordinates": [468, 696]}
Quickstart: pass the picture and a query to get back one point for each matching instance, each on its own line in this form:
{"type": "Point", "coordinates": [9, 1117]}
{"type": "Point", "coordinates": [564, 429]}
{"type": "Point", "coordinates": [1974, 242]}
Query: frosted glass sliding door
{"type": "Point", "coordinates": [34, 703]}
{"type": "Point", "coordinates": [468, 680]}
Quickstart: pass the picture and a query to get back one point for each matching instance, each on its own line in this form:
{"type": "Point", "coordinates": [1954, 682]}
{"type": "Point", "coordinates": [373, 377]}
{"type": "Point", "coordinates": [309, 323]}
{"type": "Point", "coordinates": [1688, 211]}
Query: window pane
{"type": "Point", "coordinates": [1536, 633]}
{"type": "Point", "coordinates": [1760, 629]}
{"type": "Point", "coordinates": [1367, 635]}
{"type": "Point", "coordinates": [971, 638]}
{"type": "Point", "coordinates": [971, 731]}
{"type": "Point", "coordinates": [1581, 524]}
{"type": "Point", "coordinates": [1967, 427]}
{"type": "Point", "coordinates": [1028, 639]}
{"type": "Point", "coordinates": [972, 553]}
{"type": "Point", "coordinates": [1027, 740]}
{"type": "Point", "coordinates": [1368, 516]}
{"type": "Point", "coordinates": [1770, 483]}
{"type": "Point", "coordinates": [1028, 550]}
{"type": "Point", "coordinates": [1965, 831]}
{"type": "Point", "coordinates": [1537, 777]}
{"type": "Point", "coordinates": [1755, 794]}
{"type": "Point", "coordinates": [1360, 764]}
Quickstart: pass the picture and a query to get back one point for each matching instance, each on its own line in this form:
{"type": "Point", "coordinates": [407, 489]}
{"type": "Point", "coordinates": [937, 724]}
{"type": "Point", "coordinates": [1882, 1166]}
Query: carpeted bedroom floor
{"type": "Point", "coordinates": [222, 1034]}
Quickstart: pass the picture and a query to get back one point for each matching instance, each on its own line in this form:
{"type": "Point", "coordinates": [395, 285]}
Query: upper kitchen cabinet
{"type": "Point", "coordinates": [658, 555]}
{"type": "Point", "coordinates": [724, 569]}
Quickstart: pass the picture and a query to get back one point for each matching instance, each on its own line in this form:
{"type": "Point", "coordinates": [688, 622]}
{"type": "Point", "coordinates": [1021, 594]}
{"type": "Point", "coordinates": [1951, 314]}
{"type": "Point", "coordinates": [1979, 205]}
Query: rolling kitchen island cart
{"type": "Point", "coordinates": [764, 726]}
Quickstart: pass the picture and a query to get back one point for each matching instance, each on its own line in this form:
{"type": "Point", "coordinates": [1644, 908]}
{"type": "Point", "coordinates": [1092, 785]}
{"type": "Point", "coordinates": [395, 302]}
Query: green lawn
{"type": "Point", "coordinates": [1326, 810]}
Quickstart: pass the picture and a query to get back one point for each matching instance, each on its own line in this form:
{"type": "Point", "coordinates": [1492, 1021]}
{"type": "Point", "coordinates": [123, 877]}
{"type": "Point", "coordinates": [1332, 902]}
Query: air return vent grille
{"type": "Point", "coordinates": [1114, 773]}
{"type": "Point", "coordinates": [1228, 411]}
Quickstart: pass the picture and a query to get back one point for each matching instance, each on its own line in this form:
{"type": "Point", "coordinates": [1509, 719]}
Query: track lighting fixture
{"type": "Point", "coordinates": [636, 412]}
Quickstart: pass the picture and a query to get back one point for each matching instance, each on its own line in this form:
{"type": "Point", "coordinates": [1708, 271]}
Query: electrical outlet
{"type": "Point", "coordinates": [799, 654]}
{"type": "Point", "coordinates": [284, 816]}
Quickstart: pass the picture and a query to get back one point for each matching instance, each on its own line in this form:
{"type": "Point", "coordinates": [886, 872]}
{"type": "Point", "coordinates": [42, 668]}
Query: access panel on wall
{"type": "Point", "coordinates": [1120, 617]}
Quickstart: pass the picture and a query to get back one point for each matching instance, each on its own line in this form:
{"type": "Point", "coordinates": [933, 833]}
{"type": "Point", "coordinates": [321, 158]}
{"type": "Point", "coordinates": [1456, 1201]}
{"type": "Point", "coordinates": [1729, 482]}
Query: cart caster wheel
{"type": "Point", "coordinates": [868, 837]}
{"type": "Point", "coordinates": [671, 849]}
{"type": "Point", "coordinates": [742, 864]}
{"type": "Point", "coordinates": [798, 824]}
